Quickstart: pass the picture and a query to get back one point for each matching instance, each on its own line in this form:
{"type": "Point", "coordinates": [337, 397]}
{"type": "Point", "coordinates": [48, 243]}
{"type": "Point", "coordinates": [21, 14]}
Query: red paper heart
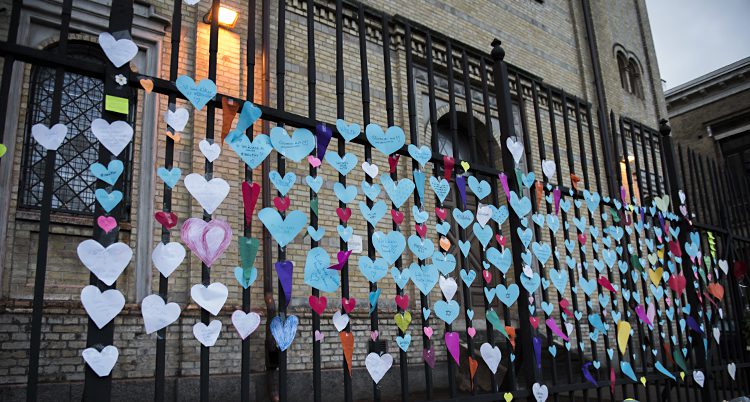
{"type": "Point", "coordinates": [487, 275]}
{"type": "Point", "coordinates": [250, 193]}
{"type": "Point", "coordinates": [421, 230]}
{"type": "Point", "coordinates": [282, 203]}
{"type": "Point", "coordinates": [398, 217]}
{"type": "Point", "coordinates": [677, 283]}
{"type": "Point", "coordinates": [441, 213]}
{"type": "Point", "coordinates": [402, 301]}
{"type": "Point", "coordinates": [448, 163]}
{"type": "Point", "coordinates": [740, 269]}
{"type": "Point", "coordinates": [534, 322]}
{"type": "Point", "coordinates": [500, 239]}
{"type": "Point", "coordinates": [318, 304]}
{"type": "Point", "coordinates": [393, 162]}
{"type": "Point", "coordinates": [564, 306]}
{"type": "Point", "coordinates": [674, 247]}
{"type": "Point", "coordinates": [107, 223]}
{"type": "Point", "coordinates": [348, 304]}
{"type": "Point", "coordinates": [344, 214]}
{"type": "Point", "coordinates": [582, 238]}
{"type": "Point", "coordinates": [166, 219]}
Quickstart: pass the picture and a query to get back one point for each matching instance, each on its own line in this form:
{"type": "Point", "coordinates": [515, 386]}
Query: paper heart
{"type": "Point", "coordinates": [177, 119]}
{"type": "Point", "coordinates": [207, 334]}
{"type": "Point", "coordinates": [147, 85]}
{"type": "Point", "coordinates": [370, 169]}
{"type": "Point", "coordinates": [319, 336]}
{"type": "Point", "coordinates": [515, 148]}
{"type": "Point", "coordinates": [245, 323]}
{"type": "Point", "coordinates": [373, 270]}
{"type": "Point", "coordinates": [282, 203]}
{"type": "Point", "coordinates": [421, 154]}
{"type": "Point", "coordinates": [378, 365]}
{"type": "Point", "coordinates": [119, 52]}
{"type": "Point", "coordinates": [347, 131]}
{"type": "Point", "coordinates": [101, 362]}
{"type": "Point", "coordinates": [388, 141]}
{"type": "Point", "coordinates": [211, 298]}
{"type": "Point", "coordinates": [167, 257]}
{"type": "Point", "coordinates": [295, 147]}
{"type": "Point", "coordinates": [210, 150]}
{"type": "Point", "coordinates": [340, 320]}
{"type": "Point", "coordinates": [49, 138]}
{"type": "Point", "coordinates": [318, 304]}
{"type": "Point", "coordinates": [106, 263]}
{"type": "Point", "coordinates": [540, 392]}
{"type": "Point", "coordinates": [198, 94]}
{"type": "Point", "coordinates": [453, 345]}
{"type": "Point", "coordinates": [111, 172]}
{"type": "Point", "coordinates": [209, 194]}
{"type": "Point", "coordinates": [166, 219]}
{"type": "Point", "coordinates": [108, 200]}
{"type": "Point", "coordinates": [491, 356]}
{"type": "Point", "coordinates": [157, 314]}
{"type": "Point", "coordinates": [102, 307]}
{"type": "Point", "coordinates": [283, 230]}
{"type": "Point", "coordinates": [317, 272]}
{"type": "Point", "coordinates": [170, 177]}
{"type": "Point", "coordinates": [107, 223]}
{"type": "Point", "coordinates": [284, 330]}
{"type": "Point", "coordinates": [254, 152]}
{"type": "Point", "coordinates": [115, 136]}
{"type": "Point", "coordinates": [207, 240]}
{"type": "Point", "coordinates": [343, 164]}
{"type": "Point", "coordinates": [250, 193]}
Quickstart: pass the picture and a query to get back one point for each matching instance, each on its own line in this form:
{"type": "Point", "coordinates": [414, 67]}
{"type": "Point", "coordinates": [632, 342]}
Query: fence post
{"type": "Point", "coordinates": [674, 183]}
{"type": "Point", "coordinates": [525, 358]}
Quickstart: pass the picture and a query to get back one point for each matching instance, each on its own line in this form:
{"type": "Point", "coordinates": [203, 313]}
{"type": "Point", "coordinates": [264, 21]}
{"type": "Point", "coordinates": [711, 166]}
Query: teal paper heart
{"type": "Point", "coordinates": [108, 201]}
{"type": "Point", "coordinates": [112, 172]}
{"type": "Point", "coordinates": [375, 214]}
{"type": "Point", "coordinates": [345, 194]}
{"type": "Point", "coordinates": [373, 270]}
{"type": "Point", "coordinates": [283, 184]}
{"type": "Point", "coordinates": [420, 154]}
{"type": "Point", "coordinates": [480, 188]}
{"type": "Point", "coordinates": [424, 276]}
{"type": "Point", "coordinates": [344, 164]}
{"type": "Point", "coordinates": [390, 246]}
{"type": "Point", "coordinates": [398, 192]}
{"type": "Point", "coordinates": [315, 183]}
{"type": "Point", "coordinates": [198, 94]}
{"type": "Point", "coordinates": [441, 188]}
{"type": "Point", "coordinates": [447, 311]}
{"type": "Point", "coordinates": [283, 230]}
{"type": "Point", "coordinates": [386, 142]}
{"type": "Point", "coordinates": [254, 152]}
{"type": "Point", "coordinates": [347, 131]}
{"type": "Point", "coordinates": [295, 147]}
{"type": "Point", "coordinates": [317, 273]}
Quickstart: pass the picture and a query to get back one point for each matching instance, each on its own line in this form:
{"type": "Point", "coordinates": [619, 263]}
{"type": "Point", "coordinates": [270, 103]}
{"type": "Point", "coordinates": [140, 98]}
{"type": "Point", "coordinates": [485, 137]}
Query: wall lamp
{"type": "Point", "coordinates": [227, 17]}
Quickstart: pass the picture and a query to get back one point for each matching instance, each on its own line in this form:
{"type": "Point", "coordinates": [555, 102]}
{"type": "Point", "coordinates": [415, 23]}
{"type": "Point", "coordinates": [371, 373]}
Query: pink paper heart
{"type": "Point", "coordinates": [342, 257]}
{"type": "Point", "coordinates": [374, 335]}
{"type": "Point", "coordinates": [427, 331]}
{"type": "Point", "coordinates": [107, 223]}
{"type": "Point", "coordinates": [452, 343]}
{"type": "Point", "coordinates": [207, 240]}
{"type": "Point", "coordinates": [319, 336]}
{"type": "Point", "coordinates": [314, 162]}
{"type": "Point", "coordinates": [250, 193]}
{"type": "Point", "coordinates": [471, 331]}
{"type": "Point", "coordinates": [487, 275]}
{"type": "Point", "coordinates": [348, 304]}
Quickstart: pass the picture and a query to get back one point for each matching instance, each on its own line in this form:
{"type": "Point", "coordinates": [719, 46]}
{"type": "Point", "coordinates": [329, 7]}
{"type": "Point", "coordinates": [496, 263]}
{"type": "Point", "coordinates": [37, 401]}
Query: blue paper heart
{"type": "Point", "coordinates": [507, 295]}
{"type": "Point", "coordinates": [419, 179]}
{"type": "Point", "coordinates": [531, 284]}
{"type": "Point", "coordinates": [386, 142]}
{"type": "Point", "coordinates": [198, 94]}
{"type": "Point", "coordinates": [283, 184]}
{"type": "Point", "coordinates": [404, 342]}
{"type": "Point", "coordinates": [283, 230]}
{"type": "Point", "coordinates": [284, 330]}
{"type": "Point", "coordinates": [447, 311]}
{"type": "Point", "coordinates": [390, 246]}
{"type": "Point", "coordinates": [248, 116]}
{"type": "Point", "coordinates": [254, 152]}
{"type": "Point", "coordinates": [480, 188]}
{"type": "Point", "coordinates": [542, 251]}
{"type": "Point", "coordinates": [373, 270]}
{"type": "Point", "coordinates": [424, 276]}
{"type": "Point", "coordinates": [344, 164]}
{"type": "Point", "coordinates": [374, 299]}
{"type": "Point", "coordinates": [371, 191]}
{"type": "Point", "coordinates": [315, 183]}
{"type": "Point", "coordinates": [170, 177]}
{"type": "Point", "coordinates": [525, 235]}
{"type": "Point", "coordinates": [317, 273]}
{"type": "Point", "coordinates": [316, 234]}
{"type": "Point", "coordinates": [522, 206]}
{"type": "Point", "coordinates": [500, 214]}
{"type": "Point", "coordinates": [108, 201]}
{"type": "Point", "coordinates": [465, 246]}
{"type": "Point", "coordinates": [245, 277]}
{"type": "Point", "coordinates": [443, 228]}
{"type": "Point", "coordinates": [345, 232]}
{"type": "Point", "coordinates": [426, 312]}
{"type": "Point", "coordinates": [401, 278]}
{"type": "Point", "coordinates": [345, 194]}
{"type": "Point", "coordinates": [114, 169]}
{"type": "Point", "coordinates": [441, 188]}
{"type": "Point", "coordinates": [398, 192]}
{"type": "Point", "coordinates": [468, 276]}
{"type": "Point", "coordinates": [420, 154]}
{"type": "Point", "coordinates": [483, 234]}
{"type": "Point", "coordinates": [375, 214]}
{"type": "Point", "coordinates": [295, 147]}
{"type": "Point", "coordinates": [501, 260]}
{"type": "Point", "coordinates": [419, 216]}
{"type": "Point", "coordinates": [422, 248]}
{"type": "Point", "coordinates": [347, 131]}
{"type": "Point", "coordinates": [445, 263]}
{"type": "Point", "coordinates": [559, 279]}
{"type": "Point", "coordinates": [463, 218]}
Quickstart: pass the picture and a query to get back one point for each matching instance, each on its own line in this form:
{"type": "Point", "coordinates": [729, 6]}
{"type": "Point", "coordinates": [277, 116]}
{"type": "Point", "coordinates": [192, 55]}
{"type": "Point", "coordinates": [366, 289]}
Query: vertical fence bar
{"type": "Point", "coordinates": [47, 193]}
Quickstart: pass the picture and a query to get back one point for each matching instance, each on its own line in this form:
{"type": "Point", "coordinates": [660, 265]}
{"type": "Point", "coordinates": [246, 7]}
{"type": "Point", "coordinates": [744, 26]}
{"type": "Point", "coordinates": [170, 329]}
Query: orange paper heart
{"type": "Point", "coordinates": [445, 244]}
{"type": "Point", "coordinates": [473, 364]}
{"type": "Point", "coordinates": [147, 84]}
{"type": "Point", "coordinates": [511, 335]}
{"type": "Point", "coordinates": [347, 343]}
{"type": "Point", "coordinates": [575, 180]}
{"type": "Point", "coordinates": [716, 290]}
{"type": "Point", "coordinates": [229, 110]}
{"type": "Point", "coordinates": [174, 136]}
{"type": "Point", "coordinates": [539, 193]}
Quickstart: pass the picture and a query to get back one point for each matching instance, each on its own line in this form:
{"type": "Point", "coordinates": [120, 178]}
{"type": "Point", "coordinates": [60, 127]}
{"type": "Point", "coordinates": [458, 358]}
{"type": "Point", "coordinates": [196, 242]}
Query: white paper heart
{"type": "Point", "coordinates": [192, 2]}
{"type": "Point", "coordinates": [724, 266]}
{"type": "Point", "coordinates": [515, 148]}
{"type": "Point", "coordinates": [177, 119]}
{"type": "Point", "coordinates": [245, 323]}
{"type": "Point", "coordinates": [549, 168]}
{"type": "Point", "coordinates": [211, 297]}
{"type": "Point", "coordinates": [732, 369]}
{"type": "Point", "coordinates": [167, 257]}
{"type": "Point", "coordinates": [717, 335]}
{"type": "Point", "coordinates": [49, 138]}
{"type": "Point", "coordinates": [340, 321]}
{"type": "Point", "coordinates": [699, 377]}
{"type": "Point", "coordinates": [118, 52]}
{"type": "Point", "coordinates": [370, 169]}
{"type": "Point", "coordinates": [115, 137]}
{"type": "Point", "coordinates": [210, 151]}
{"type": "Point", "coordinates": [540, 392]}
{"type": "Point", "coordinates": [101, 362]}
{"type": "Point", "coordinates": [484, 214]}
{"type": "Point", "coordinates": [378, 365]}
{"type": "Point", "coordinates": [157, 314]}
{"type": "Point", "coordinates": [102, 307]}
{"type": "Point", "coordinates": [682, 196]}
{"type": "Point", "coordinates": [207, 334]}
{"type": "Point", "coordinates": [491, 356]}
{"type": "Point", "coordinates": [448, 286]}
{"type": "Point", "coordinates": [210, 194]}
{"type": "Point", "coordinates": [569, 328]}
{"type": "Point", "coordinates": [527, 271]}
{"type": "Point", "coordinates": [106, 263]}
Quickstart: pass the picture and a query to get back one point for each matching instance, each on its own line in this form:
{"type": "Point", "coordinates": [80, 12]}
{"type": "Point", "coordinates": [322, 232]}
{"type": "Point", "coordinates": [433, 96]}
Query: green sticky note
{"type": "Point", "coordinates": [116, 104]}
{"type": "Point", "coordinates": [248, 251]}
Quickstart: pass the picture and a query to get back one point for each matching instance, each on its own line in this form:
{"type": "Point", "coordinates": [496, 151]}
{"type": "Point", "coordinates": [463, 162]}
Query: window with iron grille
{"type": "Point", "coordinates": [81, 103]}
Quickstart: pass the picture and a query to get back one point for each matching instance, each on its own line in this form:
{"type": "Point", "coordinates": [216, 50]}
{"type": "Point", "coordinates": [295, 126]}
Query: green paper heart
{"type": "Point", "coordinates": [314, 206]}
{"type": "Point", "coordinates": [248, 251]}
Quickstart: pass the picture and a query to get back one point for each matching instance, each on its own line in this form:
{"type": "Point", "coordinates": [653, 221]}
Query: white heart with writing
{"type": "Point", "coordinates": [101, 362]}
{"type": "Point", "coordinates": [210, 151]}
{"type": "Point", "coordinates": [484, 214]}
{"type": "Point", "coordinates": [540, 392]}
{"type": "Point", "coordinates": [549, 168]}
{"type": "Point", "coordinates": [211, 298]}
{"type": "Point", "coordinates": [210, 194]}
{"type": "Point", "coordinates": [115, 137]}
{"type": "Point", "coordinates": [448, 286]}
{"type": "Point", "coordinates": [157, 314]}
{"type": "Point", "coordinates": [340, 321]}
{"type": "Point", "coordinates": [49, 138]}
{"type": "Point", "coordinates": [177, 119]}
{"type": "Point", "coordinates": [732, 369]}
{"type": "Point", "coordinates": [370, 169]}
{"type": "Point", "coordinates": [491, 356]}
{"type": "Point", "coordinates": [119, 51]}
{"type": "Point", "coordinates": [106, 263]}
{"type": "Point", "coordinates": [167, 257]}
{"type": "Point", "coordinates": [207, 334]}
{"type": "Point", "coordinates": [515, 148]}
{"type": "Point", "coordinates": [102, 307]}
{"type": "Point", "coordinates": [699, 377]}
{"type": "Point", "coordinates": [245, 323]}
{"type": "Point", "coordinates": [378, 365]}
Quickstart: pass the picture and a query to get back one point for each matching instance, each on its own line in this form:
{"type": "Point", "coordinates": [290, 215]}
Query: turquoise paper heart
{"type": "Point", "coordinates": [254, 152]}
{"type": "Point", "coordinates": [245, 277]}
{"type": "Point", "coordinates": [424, 276]}
{"type": "Point", "coordinates": [283, 230]}
{"type": "Point", "coordinates": [445, 263]}
{"type": "Point", "coordinates": [344, 164]}
{"type": "Point", "coordinates": [317, 273]}
{"type": "Point", "coordinates": [112, 172]}
{"type": "Point", "coordinates": [371, 191]}
{"type": "Point", "coordinates": [373, 270]}
{"type": "Point", "coordinates": [441, 188]}
{"type": "Point", "coordinates": [198, 94]}
{"type": "Point", "coordinates": [295, 147]}
{"type": "Point", "coordinates": [345, 232]}
{"type": "Point", "coordinates": [447, 311]}
{"type": "Point", "coordinates": [108, 201]}
{"type": "Point", "coordinates": [419, 179]}
{"type": "Point", "coordinates": [375, 214]}
{"type": "Point", "coordinates": [401, 278]}
{"type": "Point", "coordinates": [501, 260]}
{"type": "Point", "coordinates": [315, 183]}
{"type": "Point", "coordinates": [345, 194]}
{"type": "Point", "coordinates": [347, 131]}
{"type": "Point", "coordinates": [483, 234]}
{"type": "Point", "coordinates": [422, 248]}
{"type": "Point", "coordinates": [468, 276]}
{"type": "Point", "coordinates": [398, 193]}
{"type": "Point", "coordinates": [390, 246]}
{"type": "Point", "coordinates": [316, 234]}
{"type": "Point", "coordinates": [480, 188]}
{"type": "Point", "coordinates": [508, 295]}
{"type": "Point", "coordinates": [283, 184]}
{"type": "Point", "coordinates": [386, 142]}
{"type": "Point", "coordinates": [170, 177]}
{"type": "Point", "coordinates": [420, 154]}
{"type": "Point", "coordinates": [463, 218]}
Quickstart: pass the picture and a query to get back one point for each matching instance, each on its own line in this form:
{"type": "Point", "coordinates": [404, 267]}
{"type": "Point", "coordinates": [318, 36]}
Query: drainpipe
{"type": "Point", "coordinates": [601, 99]}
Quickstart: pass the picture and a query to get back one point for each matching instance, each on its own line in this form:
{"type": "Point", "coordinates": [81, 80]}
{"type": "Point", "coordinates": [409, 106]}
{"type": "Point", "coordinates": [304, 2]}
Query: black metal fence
{"type": "Point", "coordinates": [636, 166]}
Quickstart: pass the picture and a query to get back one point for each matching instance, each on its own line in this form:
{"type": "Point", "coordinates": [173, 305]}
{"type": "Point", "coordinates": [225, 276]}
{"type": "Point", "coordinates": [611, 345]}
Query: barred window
{"type": "Point", "coordinates": [81, 102]}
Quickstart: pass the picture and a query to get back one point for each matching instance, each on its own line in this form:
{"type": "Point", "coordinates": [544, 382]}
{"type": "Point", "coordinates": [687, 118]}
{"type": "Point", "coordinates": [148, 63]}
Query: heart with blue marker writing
{"type": "Point", "coordinates": [501, 260]}
{"type": "Point", "coordinates": [295, 147]}
{"type": "Point", "coordinates": [373, 270]}
{"type": "Point", "coordinates": [283, 230]}
{"type": "Point", "coordinates": [445, 263]}
{"type": "Point", "coordinates": [254, 152]}
{"type": "Point", "coordinates": [344, 164]}
{"type": "Point", "coordinates": [113, 170]}
{"type": "Point", "coordinates": [375, 214]}
{"type": "Point", "coordinates": [198, 94]}
{"type": "Point", "coordinates": [390, 246]}
{"type": "Point", "coordinates": [463, 218]}
{"type": "Point", "coordinates": [441, 187]}
{"type": "Point", "coordinates": [447, 311]}
{"type": "Point", "coordinates": [397, 192]}
{"type": "Point", "coordinates": [480, 188]}
{"type": "Point", "coordinates": [347, 131]}
{"type": "Point", "coordinates": [424, 276]}
{"type": "Point", "coordinates": [317, 273]}
{"type": "Point", "coordinates": [388, 141]}
{"type": "Point", "coordinates": [283, 184]}
{"type": "Point", "coordinates": [420, 154]}
{"type": "Point", "coordinates": [107, 200]}
{"type": "Point", "coordinates": [401, 278]}
{"type": "Point", "coordinates": [422, 248]}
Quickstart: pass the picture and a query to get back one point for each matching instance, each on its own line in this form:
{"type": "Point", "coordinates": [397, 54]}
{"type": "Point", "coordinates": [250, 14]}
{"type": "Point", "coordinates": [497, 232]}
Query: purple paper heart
{"type": "Point", "coordinates": [342, 257]}
{"type": "Point", "coordinates": [207, 240]}
{"type": "Point", "coordinates": [504, 180]}
{"type": "Point", "coordinates": [429, 357]}
{"type": "Point", "coordinates": [451, 342]}
{"type": "Point", "coordinates": [538, 351]}
{"type": "Point", "coordinates": [557, 194]}
{"type": "Point", "coordinates": [461, 184]}
{"type": "Point", "coordinates": [622, 194]}
{"type": "Point", "coordinates": [587, 373]}
{"type": "Point", "coordinates": [323, 134]}
{"type": "Point", "coordinates": [284, 271]}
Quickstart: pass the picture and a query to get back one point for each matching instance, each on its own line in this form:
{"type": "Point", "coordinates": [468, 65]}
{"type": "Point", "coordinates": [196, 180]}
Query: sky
{"type": "Point", "coordinates": [695, 37]}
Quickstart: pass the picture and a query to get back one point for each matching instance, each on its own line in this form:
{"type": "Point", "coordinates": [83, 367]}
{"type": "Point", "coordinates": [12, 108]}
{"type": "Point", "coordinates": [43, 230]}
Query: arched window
{"type": "Point", "coordinates": [630, 73]}
{"type": "Point", "coordinates": [81, 102]}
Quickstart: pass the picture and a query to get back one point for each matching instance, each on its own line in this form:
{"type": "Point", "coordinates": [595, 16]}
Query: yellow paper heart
{"type": "Point", "coordinates": [682, 375]}
{"type": "Point", "coordinates": [643, 381]}
{"type": "Point", "coordinates": [508, 397]}
{"type": "Point", "coordinates": [3, 150]}
{"type": "Point", "coordinates": [655, 275]}
{"type": "Point", "coordinates": [465, 165]}
{"type": "Point", "coordinates": [403, 320]}
{"type": "Point", "coordinates": [623, 334]}
{"type": "Point", "coordinates": [660, 253]}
